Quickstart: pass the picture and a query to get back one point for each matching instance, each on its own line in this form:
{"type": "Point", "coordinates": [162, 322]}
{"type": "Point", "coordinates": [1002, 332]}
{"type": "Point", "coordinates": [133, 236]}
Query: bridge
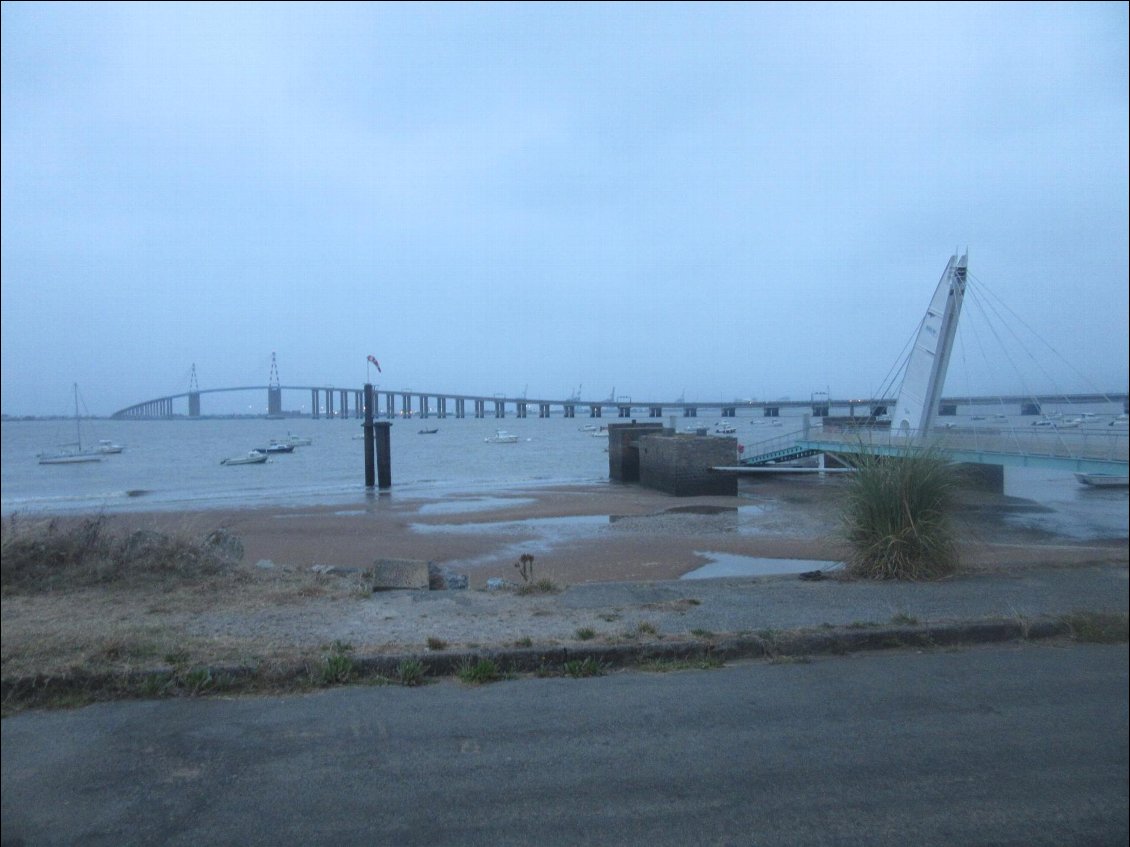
{"type": "Point", "coordinates": [1096, 448]}
{"type": "Point", "coordinates": [1073, 444]}
{"type": "Point", "coordinates": [330, 402]}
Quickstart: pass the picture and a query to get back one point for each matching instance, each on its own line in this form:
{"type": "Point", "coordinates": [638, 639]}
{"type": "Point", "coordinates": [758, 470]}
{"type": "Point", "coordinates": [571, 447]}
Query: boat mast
{"type": "Point", "coordinates": [78, 430]}
{"type": "Point", "coordinates": [921, 389]}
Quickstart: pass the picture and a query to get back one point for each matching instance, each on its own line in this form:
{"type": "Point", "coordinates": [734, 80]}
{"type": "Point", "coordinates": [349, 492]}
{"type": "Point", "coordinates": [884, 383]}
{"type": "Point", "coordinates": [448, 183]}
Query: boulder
{"type": "Point", "coordinates": [443, 579]}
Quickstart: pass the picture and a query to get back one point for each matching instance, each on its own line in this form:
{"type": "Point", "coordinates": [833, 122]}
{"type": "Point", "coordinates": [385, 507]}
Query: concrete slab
{"type": "Point", "coordinates": [393, 574]}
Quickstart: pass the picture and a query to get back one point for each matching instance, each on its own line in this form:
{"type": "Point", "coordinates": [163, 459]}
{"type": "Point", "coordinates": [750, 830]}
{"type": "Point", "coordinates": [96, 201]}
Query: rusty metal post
{"type": "Point", "coordinates": [384, 454]}
{"type": "Point", "coordinates": [368, 430]}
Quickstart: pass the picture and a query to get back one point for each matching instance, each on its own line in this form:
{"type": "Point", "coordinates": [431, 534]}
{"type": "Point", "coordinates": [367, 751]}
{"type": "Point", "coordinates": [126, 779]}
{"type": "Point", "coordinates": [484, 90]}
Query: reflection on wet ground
{"type": "Point", "coordinates": [474, 504]}
{"type": "Point", "coordinates": [730, 564]}
{"type": "Point", "coordinates": [538, 536]}
{"type": "Point", "coordinates": [541, 535]}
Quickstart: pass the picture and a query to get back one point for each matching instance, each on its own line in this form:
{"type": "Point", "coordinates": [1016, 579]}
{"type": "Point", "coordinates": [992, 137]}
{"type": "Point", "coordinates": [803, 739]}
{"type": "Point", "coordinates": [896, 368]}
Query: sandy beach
{"type": "Point", "coordinates": [593, 533]}
{"type": "Point", "coordinates": [275, 608]}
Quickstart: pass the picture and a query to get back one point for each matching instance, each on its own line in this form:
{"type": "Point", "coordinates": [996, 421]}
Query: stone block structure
{"type": "Point", "coordinates": [623, 449]}
{"type": "Point", "coordinates": [681, 464]}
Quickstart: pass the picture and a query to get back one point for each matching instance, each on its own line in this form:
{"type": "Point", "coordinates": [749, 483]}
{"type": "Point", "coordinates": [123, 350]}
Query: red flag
{"type": "Point", "coordinates": [375, 362]}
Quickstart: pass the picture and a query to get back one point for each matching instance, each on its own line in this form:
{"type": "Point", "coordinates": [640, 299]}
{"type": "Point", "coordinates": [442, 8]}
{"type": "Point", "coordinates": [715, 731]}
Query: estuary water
{"type": "Point", "coordinates": [174, 465]}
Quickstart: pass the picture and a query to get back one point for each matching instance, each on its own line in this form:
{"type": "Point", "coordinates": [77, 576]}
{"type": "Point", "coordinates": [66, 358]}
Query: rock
{"type": "Point", "coordinates": [226, 544]}
{"type": "Point", "coordinates": [335, 570]}
{"type": "Point", "coordinates": [391, 574]}
{"type": "Point", "coordinates": [443, 579]}
{"type": "Point", "coordinates": [457, 581]}
{"type": "Point", "coordinates": [266, 564]}
{"type": "Point", "coordinates": [497, 583]}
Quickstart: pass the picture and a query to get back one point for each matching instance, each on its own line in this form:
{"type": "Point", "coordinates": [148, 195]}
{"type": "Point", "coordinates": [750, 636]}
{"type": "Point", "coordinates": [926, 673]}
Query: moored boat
{"type": "Point", "coordinates": [502, 437]}
{"type": "Point", "coordinates": [74, 453]}
{"type": "Point", "coordinates": [253, 457]}
{"type": "Point", "coordinates": [109, 447]}
{"type": "Point", "coordinates": [1104, 480]}
{"type": "Point", "coordinates": [68, 457]}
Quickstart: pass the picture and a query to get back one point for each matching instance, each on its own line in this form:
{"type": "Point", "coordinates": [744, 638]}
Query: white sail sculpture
{"type": "Point", "coordinates": [917, 404]}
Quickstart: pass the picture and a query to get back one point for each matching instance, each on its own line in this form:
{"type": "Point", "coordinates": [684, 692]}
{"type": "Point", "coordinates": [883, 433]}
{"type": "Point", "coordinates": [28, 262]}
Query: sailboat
{"type": "Point", "coordinates": [71, 454]}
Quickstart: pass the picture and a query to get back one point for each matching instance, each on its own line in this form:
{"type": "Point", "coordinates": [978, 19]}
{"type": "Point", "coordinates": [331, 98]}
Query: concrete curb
{"type": "Point", "coordinates": [832, 641]}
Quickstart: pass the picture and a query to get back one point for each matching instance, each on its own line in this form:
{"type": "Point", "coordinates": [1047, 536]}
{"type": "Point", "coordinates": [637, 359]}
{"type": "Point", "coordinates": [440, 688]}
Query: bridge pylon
{"type": "Point", "coordinates": [274, 391]}
{"type": "Point", "coordinates": [193, 394]}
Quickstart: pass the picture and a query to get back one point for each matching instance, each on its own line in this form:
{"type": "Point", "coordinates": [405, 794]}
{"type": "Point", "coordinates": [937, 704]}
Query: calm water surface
{"type": "Point", "coordinates": [175, 465]}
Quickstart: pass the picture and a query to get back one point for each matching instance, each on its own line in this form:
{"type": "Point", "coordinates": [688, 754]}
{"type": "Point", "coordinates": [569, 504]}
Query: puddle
{"type": "Point", "coordinates": [701, 510]}
{"type": "Point", "coordinates": [729, 564]}
{"type": "Point", "coordinates": [477, 504]}
{"type": "Point", "coordinates": [557, 527]}
{"type": "Point", "coordinates": [536, 536]}
{"type": "Point", "coordinates": [697, 519]}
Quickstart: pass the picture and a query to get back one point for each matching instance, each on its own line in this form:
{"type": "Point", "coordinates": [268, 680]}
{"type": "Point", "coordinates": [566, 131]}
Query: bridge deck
{"type": "Point", "coordinates": [1083, 451]}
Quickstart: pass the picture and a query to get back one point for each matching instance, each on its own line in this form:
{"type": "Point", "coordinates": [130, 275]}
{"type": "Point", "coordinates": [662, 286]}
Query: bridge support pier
{"type": "Point", "coordinates": [570, 410]}
{"type": "Point", "coordinates": [441, 407]}
{"type": "Point", "coordinates": [460, 408]}
{"type": "Point", "coordinates": [499, 409]}
{"type": "Point", "coordinates": [655, 412]}
{"type": "Point", "coordinates": [543, 410]}
{"type": "Point", "coordinates": [194, 404]}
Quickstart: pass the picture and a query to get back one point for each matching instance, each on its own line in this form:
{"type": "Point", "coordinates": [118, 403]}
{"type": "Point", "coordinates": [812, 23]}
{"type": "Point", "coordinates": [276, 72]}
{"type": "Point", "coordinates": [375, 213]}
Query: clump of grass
{"type": "Point", "coordinates": [338, 667]}
{"type": "Point", "coordinates": [669, 665]}
{"type": "Point", "coordinates": [1099, 627]}
{"type": "Point", "coordinates": [584, 667]}
{"type": "Point", "coordinates": [479, 672]}
{"type": "Point", "coordinates": [903, 619]}
{"type": "Point", "coordinates": [410, 672]}
{"type": "Point", "coordinates": [198, 680]}
{"type": "Point", "coordinates": [646, 628]}
{"type": "Point", "coordinates": [541, 586]}
{"type": "Point", "coordinates": [436, 643]}
{"type": "Point", "coordinates": [524, 641]}
{"type": "Point", "coordinates": [702, 633]}
{"type": "Point", "coordinates": [585, 633]}
{"type": "Point", "coordinates": [525, 566]}
{"type": "Point", "coordinates": [40, 556]}
{"type": "Point", "coordinates": [897, 516]}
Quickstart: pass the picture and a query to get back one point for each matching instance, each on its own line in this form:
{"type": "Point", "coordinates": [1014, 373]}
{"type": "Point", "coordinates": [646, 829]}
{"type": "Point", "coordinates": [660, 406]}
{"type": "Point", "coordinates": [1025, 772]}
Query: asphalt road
{"type": "Point", "coordinates": [1019, 744]}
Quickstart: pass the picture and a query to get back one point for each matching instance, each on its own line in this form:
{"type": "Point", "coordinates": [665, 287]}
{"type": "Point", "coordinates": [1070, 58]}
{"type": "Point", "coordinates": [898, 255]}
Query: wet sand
{"type": "Point", "coordinates": [605, 532]}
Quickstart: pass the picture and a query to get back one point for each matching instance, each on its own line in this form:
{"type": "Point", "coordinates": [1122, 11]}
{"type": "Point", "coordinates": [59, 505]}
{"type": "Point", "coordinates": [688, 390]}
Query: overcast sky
{"type": "Point", "coordinates": [732, 200]}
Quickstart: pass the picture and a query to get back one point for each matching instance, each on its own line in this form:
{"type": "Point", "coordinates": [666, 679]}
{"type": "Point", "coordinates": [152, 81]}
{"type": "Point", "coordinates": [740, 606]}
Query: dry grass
{"type": "Point", "coordinates": [82, 599]}
{"type": "Point", "coordinates": [52, 555]}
